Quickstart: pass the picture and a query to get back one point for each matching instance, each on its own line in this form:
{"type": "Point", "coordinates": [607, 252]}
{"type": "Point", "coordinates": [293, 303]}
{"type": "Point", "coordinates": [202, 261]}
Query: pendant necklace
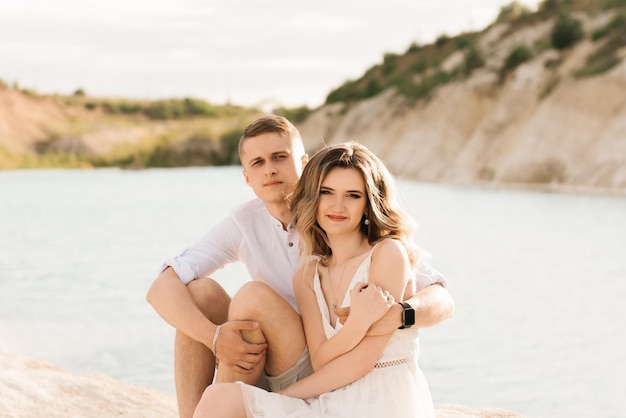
{"type": "Point", "coordinates": [340, 281]}
{"type": "Point", "coordinates": [330, 283]}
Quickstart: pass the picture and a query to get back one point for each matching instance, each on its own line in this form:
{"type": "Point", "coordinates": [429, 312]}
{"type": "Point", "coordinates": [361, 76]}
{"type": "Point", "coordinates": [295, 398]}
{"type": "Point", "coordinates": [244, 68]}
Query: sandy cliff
{"type": "Point", "coordinates": [541, 125]}
{"type": "Point", "coordinates": [28, 121]}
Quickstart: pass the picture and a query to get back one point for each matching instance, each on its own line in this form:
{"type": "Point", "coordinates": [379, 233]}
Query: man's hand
{"type": "Point", "coordinates": [433, 305]}
{"type": "Point", "coordinates": [235, 352]}
{"type": "Point", "coordinates": [385, 325]}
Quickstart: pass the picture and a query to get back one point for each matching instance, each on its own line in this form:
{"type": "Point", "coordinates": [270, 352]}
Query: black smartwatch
{"type": "Point", "coordinates": [408, 315]}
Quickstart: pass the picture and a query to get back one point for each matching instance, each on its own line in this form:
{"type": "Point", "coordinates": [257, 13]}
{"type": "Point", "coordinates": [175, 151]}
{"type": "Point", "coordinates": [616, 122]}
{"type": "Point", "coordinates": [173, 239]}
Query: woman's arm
{"type": "Point", "coordinates": [312, 320]}
{"type": "Point", "coordinates": [390, 269]}
{"type": "Point", "coordinates": [341, 371]}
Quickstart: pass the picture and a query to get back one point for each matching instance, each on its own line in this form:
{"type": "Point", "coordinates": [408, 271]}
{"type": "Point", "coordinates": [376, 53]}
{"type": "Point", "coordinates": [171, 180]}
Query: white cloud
{"type": "Point", "coordinates": [240, 50]}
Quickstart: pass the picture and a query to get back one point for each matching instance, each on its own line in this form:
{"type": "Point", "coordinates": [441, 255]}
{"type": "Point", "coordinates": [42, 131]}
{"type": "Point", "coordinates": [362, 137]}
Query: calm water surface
{"type": "Point", "coordinates": [539, 281]}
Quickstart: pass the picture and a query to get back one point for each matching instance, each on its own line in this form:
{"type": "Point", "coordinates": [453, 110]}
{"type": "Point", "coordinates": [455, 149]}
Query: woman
{"type": "Point", "coordinates": [355, 242]}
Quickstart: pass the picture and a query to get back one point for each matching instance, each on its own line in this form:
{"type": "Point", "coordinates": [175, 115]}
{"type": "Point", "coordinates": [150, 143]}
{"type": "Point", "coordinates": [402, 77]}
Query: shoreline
{"type": "Point", "coordinates": [552, 187]}
{"type": "Point", "coordinates": [529, 187]}
{"type": "Point", "coordinates": [30, 386]}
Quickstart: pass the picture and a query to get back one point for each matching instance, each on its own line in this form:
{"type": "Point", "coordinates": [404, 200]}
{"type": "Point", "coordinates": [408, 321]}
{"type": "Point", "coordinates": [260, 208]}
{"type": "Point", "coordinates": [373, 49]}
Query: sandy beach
{"type": "Point", "coordinates": [32, 388]}
{"type": "Point", "coordinates": [35, 388]}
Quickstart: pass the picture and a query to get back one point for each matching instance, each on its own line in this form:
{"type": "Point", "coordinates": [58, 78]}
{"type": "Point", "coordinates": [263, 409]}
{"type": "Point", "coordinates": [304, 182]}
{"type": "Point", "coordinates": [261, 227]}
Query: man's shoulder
{"type": "Point", "coordinates": [253, 207]}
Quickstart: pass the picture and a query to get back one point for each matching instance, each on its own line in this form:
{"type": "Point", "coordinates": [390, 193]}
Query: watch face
{"type": "Point", "coordinates": [409, 317]}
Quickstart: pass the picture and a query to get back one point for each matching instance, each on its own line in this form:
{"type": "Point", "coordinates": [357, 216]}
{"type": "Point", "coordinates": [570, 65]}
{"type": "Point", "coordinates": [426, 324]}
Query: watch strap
{"type": "Point", "coordinates": [405, 306]}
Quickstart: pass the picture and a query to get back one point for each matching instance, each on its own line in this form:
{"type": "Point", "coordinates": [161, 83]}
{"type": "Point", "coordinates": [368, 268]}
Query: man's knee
{"type": "Point", "coordinates": [209, 296]}
{"type": "Point", "coordinates": [252, 300]}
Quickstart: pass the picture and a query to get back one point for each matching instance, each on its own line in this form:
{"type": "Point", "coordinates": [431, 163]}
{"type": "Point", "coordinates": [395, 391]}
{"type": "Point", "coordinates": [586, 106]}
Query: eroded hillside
{"type": "Point", "coordinates": [553, 119]}
{"type": "Point", "coordinates": [537, 98]}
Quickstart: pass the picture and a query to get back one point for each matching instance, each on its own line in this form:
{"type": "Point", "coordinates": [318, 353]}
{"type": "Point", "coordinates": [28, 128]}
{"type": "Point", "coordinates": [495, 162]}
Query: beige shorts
{"type": "Point", "coordinates": [299, 371]}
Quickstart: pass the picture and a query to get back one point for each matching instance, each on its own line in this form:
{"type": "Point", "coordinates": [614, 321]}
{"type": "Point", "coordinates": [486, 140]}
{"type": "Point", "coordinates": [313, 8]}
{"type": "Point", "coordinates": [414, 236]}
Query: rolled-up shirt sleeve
{"type": "Point", "coordinates": [426, 275]}
{"type": "Point", "coordinates": [219, 247]}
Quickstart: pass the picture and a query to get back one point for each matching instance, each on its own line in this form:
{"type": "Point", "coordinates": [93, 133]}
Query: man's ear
{"type": "Point", "coordinates": [245, 177]}
{"type": "Point", "coordinates": [305, 159]}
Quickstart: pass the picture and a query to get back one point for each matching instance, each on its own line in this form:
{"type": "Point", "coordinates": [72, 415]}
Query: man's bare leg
{"type": "Point", "coordinates": [194, 363]}
{"type": "Point", "coordinates": [280, 326]}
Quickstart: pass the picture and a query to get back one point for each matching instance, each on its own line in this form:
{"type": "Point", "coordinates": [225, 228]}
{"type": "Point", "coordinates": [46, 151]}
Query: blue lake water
{"type": "Point", "coordinates": [539, 281]}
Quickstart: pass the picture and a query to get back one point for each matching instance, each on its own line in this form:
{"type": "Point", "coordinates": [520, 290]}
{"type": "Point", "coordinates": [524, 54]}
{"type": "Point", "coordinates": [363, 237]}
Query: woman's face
{"type": "Point", "coordinates": [342, 201]}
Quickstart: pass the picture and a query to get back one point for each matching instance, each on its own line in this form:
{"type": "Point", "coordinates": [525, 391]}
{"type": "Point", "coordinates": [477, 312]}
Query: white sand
{"type": "Point", "coordinates": [35, 388]}
{"type": "Point", "coordinates": [31, 388]}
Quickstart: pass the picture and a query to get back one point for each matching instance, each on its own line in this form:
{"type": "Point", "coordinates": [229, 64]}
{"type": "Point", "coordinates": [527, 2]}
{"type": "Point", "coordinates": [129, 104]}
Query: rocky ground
{"type": "Point", "coordinates": [31, 388]}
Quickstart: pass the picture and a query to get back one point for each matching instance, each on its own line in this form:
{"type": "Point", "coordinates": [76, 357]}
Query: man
{"type": "Point", "coordinates": [258, 233]}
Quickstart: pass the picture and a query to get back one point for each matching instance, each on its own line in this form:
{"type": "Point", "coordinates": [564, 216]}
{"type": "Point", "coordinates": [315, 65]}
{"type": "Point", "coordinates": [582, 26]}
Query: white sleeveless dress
{"type": "Point", "coordinates": [395, 387]}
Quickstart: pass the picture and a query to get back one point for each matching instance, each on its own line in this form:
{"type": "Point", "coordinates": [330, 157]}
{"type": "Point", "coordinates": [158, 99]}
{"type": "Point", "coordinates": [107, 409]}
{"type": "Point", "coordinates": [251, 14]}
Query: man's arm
{"type": "Point", "coordinates": [432, 305]}
{"type": "Point", "coordinates": [171, 299]}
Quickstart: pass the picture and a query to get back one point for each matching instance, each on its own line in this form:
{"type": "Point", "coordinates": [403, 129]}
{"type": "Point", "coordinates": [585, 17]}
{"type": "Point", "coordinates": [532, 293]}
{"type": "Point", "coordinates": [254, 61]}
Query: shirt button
{"type": "Point", "coordinates": [291, 244]}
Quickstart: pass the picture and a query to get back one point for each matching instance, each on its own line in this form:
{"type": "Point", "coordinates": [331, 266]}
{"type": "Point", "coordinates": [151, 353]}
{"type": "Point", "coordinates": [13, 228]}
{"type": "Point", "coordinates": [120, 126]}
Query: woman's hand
{"type": "Point", "coordinates": [369, 303]}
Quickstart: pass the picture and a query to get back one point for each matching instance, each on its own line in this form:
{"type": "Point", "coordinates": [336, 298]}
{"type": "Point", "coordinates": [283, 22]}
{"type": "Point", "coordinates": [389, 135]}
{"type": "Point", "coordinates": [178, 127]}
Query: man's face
{"type": "Point", "coordinates": [272, 164]}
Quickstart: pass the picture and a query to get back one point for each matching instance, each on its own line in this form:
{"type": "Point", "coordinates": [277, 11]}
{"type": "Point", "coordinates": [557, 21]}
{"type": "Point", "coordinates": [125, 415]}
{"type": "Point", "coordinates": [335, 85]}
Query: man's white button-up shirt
{"type": "Point", "coordinates": [252, 236]}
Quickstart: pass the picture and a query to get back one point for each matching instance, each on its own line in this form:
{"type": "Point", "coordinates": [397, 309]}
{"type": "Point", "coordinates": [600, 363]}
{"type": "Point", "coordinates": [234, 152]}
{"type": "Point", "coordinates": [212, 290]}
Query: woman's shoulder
{"type": "Point", "coordinates": [389, 250]}
{"type": "Point", "coordinates": [390, 265]}
{"type": "Point", "coordinates": [389, 246]}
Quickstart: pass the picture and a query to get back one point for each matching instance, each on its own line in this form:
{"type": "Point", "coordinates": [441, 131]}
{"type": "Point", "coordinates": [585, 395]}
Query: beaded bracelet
{"type": "Point", "coordinates": [217, 334]}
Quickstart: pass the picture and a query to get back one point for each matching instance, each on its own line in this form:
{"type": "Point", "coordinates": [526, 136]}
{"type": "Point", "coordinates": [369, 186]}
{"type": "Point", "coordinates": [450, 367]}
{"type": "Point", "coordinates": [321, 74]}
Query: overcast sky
{"type": "Point", "coordinates": [246, 52]}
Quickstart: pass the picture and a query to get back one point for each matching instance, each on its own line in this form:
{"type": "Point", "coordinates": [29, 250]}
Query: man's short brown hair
{"type": "Point", "coordinates": [269, 124]}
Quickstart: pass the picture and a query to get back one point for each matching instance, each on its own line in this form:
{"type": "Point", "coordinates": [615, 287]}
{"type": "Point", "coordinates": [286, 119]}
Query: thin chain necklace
{"type": "Point", "coordinates": [340, 281]}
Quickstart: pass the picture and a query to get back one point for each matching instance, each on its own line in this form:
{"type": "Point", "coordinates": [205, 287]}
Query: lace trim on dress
{"type": "Point", "coordinates": [390, 363]}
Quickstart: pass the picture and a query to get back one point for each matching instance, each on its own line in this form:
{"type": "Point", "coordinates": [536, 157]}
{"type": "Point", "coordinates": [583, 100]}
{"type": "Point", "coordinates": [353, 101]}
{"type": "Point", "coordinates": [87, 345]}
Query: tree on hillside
{"type": "Point", "coordinates": [554, 4]}
{"type": "Point", "coordinates": [566, 31]}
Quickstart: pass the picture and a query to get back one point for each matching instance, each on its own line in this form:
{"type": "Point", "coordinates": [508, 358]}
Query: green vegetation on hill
{"type": "Point", "coordinates": [418, 72]}
{"type": "Point", "coordinates": [612, 37]}
{"type": "Point", "coordinates": [171, 109]}
{"type": "Point", "coordinates": [190, 131]}
{"type": "Point", "coordinates": [160, 133]}
{"type": "Point", "coordinates": [195, 150]}
{"type": "Point", "coordinates": [81, 131]}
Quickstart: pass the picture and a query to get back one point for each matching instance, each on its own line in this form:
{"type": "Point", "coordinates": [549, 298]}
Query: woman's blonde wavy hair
{"type": "Point", "coordinates": [386, 218]}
